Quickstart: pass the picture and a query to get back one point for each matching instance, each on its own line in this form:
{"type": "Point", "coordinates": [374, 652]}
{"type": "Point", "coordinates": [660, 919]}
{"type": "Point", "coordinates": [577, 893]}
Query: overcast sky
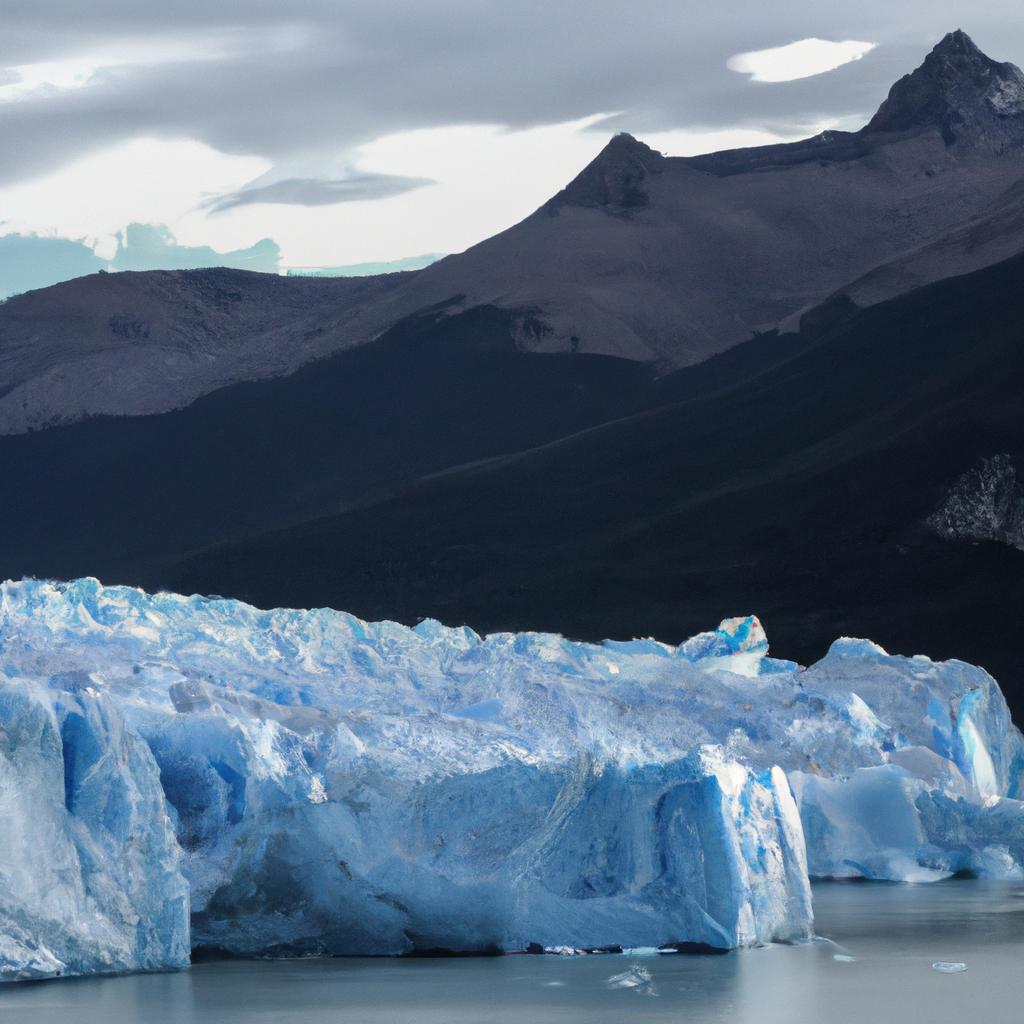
{"type": "Point", "coordinates": [355, 131]}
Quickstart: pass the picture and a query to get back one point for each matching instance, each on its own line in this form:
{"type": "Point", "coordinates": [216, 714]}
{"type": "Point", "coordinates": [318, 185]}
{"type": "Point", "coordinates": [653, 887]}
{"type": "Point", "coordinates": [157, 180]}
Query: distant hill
{"type": "Point", "coordinates": [29, 262]}
{"type": "Point", "coordinates": [369, 269]}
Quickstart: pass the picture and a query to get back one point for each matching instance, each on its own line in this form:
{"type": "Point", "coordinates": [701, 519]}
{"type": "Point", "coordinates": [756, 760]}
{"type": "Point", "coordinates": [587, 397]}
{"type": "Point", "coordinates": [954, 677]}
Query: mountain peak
{"type": "Point", "coordinates": [961, 91]}
{"type": "Point", "coordinates": [623, 142]}
{"type": "Point", "coordinates": [614, 180]}
{"type": "Point", "coordinates": [957, 42]}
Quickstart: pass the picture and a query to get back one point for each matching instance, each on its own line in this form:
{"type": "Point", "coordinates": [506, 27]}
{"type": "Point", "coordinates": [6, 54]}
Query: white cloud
{"type": "Point", "coordinates": [145, 180]}
{"type": "Point", "coordinates": [486, 179]}
{"type": "Point", "coordinates": [802, 59]}
{"type": "Point", "coordinates": [46, 79]}
{"type": "Point", "coordinates": [694, 142]}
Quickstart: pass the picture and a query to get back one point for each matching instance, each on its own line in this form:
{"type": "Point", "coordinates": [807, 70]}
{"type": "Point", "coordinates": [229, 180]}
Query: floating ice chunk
{"type": "Point", "coordinates": [636, 978]}
{"type": "Point", "coordinates": [844, 958]}
{"type": "Point", "coordinates": [948, 967]}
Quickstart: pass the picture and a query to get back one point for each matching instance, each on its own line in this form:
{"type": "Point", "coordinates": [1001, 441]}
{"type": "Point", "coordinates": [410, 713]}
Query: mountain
{"type": "Point", "coordinates": [799, 476]}
{"type": "Point", "coordinates": [435, 392]}
{"type": "Point", "coordinates": [852, 472]}
{"type": "Point", "coordinates": [663, 260]}
{"type": "Point", "coordinates": [958, 89]}
{"type": "Point", "coordinates": [139, 342]}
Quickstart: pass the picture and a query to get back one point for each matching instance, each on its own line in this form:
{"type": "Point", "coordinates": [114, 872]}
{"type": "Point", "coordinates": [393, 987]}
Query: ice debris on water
{"type": "Point", "coordinates": [203, 773]}
{"type": "Point", "coordinates": [948, 967]}
{"type": "Point", "coordinates": [636, 978]}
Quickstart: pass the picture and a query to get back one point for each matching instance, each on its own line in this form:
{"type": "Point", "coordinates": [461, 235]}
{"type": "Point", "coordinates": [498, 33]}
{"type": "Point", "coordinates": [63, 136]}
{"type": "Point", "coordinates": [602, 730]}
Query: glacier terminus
{"type": "Point", "coordinates": [181, 773]}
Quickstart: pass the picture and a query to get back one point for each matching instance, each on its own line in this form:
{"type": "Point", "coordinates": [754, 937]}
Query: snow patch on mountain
{"type": "Point", "coordinates": [1007, 95]}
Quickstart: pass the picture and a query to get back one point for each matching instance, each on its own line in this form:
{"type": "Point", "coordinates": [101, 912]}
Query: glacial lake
{"type": "Point", "coordinates": [886, 938]}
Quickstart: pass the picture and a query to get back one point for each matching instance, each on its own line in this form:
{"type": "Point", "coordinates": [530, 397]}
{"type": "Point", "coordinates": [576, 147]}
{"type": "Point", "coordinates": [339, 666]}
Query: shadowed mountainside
{"type": "Point", "coordinates": [797, 487]}
{"type": "Point", "coordinates": [435, 392]}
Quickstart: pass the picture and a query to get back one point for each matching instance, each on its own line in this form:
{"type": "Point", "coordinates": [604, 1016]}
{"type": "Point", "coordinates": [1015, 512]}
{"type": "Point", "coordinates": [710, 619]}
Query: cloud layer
{"type": "Point", "coordinates": [319, 191]}
{"type": "Point", "coordinates": [305, 83]}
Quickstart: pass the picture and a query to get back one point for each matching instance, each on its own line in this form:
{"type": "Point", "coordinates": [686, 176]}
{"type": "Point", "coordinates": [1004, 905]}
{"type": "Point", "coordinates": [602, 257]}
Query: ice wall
{"type": "Point", "coordinates": [341, 786]}
{"type": "Point", "coordinates": [943, 794]}
{"type": "Point", "coordinates": [89, 866]}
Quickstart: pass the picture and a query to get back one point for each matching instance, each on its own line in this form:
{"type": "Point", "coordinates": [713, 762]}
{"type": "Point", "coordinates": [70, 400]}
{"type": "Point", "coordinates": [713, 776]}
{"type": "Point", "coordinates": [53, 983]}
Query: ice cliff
{"type": "Point", "coordinates": [90, 874]}
{"type": "Point", "coordinates": [180, 771]}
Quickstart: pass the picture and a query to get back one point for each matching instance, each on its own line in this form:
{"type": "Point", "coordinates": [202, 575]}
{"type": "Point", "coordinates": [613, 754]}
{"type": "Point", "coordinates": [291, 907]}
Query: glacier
{"type": "Point", "coordinates": [182, 772]}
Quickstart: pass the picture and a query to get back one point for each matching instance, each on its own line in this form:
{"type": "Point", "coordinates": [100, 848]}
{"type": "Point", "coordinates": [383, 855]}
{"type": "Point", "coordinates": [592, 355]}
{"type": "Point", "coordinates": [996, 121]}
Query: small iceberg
{"type": "Point", "coordinates": [637, 978]}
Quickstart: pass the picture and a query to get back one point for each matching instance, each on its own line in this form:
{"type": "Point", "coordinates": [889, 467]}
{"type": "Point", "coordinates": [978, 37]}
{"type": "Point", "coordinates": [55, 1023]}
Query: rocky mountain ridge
{"type": "Point", "coordinates": [664, 260]}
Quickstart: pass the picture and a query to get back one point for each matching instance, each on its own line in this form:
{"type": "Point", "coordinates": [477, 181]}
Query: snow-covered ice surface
{"type": "Point", "coordinates": [309, 782]}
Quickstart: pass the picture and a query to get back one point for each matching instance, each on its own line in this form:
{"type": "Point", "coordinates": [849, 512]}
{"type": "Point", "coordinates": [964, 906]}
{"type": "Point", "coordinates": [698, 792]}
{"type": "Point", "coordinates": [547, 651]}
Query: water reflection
{"type": "Point", "coordinates": [876, 967]}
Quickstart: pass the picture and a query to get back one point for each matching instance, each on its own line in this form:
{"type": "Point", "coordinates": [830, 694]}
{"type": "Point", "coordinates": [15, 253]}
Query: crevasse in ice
{"type": "Point", "coordinates": [182, 770]}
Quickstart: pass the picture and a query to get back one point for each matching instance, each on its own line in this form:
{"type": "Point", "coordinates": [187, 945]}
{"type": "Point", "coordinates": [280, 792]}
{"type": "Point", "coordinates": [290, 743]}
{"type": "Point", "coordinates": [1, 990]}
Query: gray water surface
{"type": "Point", "coordinates": [893, 933]}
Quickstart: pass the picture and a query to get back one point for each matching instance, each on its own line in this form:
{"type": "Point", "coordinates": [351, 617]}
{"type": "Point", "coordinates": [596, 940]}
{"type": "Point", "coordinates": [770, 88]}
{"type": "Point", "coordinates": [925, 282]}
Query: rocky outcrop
{"type": "Point", "coordinates": [971, 98]}
{"type": "Point", "coordinates": [986, 503]}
